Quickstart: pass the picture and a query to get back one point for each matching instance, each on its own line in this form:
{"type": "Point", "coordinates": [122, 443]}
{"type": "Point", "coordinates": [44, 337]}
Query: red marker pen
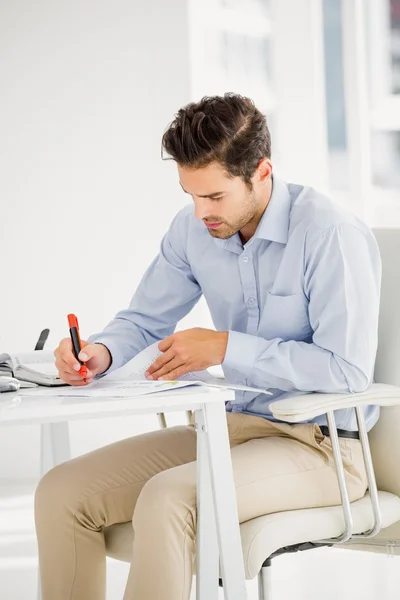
{"type": "Point", "coordinates": [76, 343]}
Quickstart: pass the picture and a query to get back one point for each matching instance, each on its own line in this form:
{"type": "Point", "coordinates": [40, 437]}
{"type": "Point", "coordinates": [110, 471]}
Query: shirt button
{"type": "Point", "coordinates": [245, 259]}
{"type": "Point", "coordinates": [251, 301]}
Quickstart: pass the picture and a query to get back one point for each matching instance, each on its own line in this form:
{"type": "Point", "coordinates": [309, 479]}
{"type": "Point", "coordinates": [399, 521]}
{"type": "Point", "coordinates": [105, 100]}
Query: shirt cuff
{"type": "Point", "coordinates": [117, 358]}
{"type": "Point", "coordinates": [241, 352]}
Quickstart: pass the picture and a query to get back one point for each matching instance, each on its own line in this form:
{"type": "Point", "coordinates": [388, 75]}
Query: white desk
{"type": "Point", "coordinates": [218, 533]}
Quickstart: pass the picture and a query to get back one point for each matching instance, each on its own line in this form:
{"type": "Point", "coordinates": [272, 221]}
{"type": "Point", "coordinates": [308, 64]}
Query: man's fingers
{"type": "Point", "coordinates": [66, 361]}
{"type": "Point", "coordinates": [67, 376]}
{"type": "Point", "coordinates": [73, 376]}
{"type": "Point", "coordinates": [75, 380]}
{"type": "Point", "coordinates": [65, 353]}
{"type": "Point", "coordinates": [63, 366]}
{"type": "Point", "coordinates": [165, 344]}
{"type": "Point", "coordinates": [176, 373]}
{"type": "Point", "coordinates": [90, 351]}
{"type": "Point", "coordinates": [170, 366]}
{"type": "Point", "coordinates": [160, 362]}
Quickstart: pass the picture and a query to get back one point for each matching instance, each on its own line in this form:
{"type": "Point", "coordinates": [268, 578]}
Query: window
{"type": "Point", "coordinates": [230, 43]}
{"type": "Point", "coordinates": [382, 64]}
{"type": "Point", "coordinates": [384, 81]}
{"type": "Point", "coordinates": [395, 45]}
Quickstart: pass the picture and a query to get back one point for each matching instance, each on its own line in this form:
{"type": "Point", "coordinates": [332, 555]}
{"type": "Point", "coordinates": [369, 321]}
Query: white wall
{"type": "Point", "coordinates": [87, 88]}
{"type": "Point", "coordinates": [299, 142]}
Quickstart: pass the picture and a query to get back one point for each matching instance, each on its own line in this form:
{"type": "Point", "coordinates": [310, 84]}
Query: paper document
{"type": "Point", "coordinates": [135, 369]}
{"type": "Point", "coordinates": [130, 380]}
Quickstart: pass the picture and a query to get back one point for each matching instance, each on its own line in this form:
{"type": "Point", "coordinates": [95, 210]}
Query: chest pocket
{"type": "Point", "coordinates": [286, 317]}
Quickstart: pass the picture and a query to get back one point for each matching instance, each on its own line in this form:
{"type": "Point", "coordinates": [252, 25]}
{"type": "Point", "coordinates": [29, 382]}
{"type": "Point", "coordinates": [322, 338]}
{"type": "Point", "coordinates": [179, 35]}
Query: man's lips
{"type": "Point", "coordinates": [212, 225]}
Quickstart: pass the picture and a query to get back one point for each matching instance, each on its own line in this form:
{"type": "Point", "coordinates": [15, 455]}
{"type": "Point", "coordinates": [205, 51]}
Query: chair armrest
{"type": "Point", "coordinates": [302, 408]}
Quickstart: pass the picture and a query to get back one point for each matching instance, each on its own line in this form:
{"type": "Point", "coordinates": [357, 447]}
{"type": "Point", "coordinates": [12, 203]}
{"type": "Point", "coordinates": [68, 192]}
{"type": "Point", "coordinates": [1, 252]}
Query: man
{"type": "Point", "coordinates": [292, 283]}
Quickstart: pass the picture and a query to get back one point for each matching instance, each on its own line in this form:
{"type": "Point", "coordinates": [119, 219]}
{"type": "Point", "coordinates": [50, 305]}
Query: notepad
{"type": "Point", "coordinates": [35, 367]}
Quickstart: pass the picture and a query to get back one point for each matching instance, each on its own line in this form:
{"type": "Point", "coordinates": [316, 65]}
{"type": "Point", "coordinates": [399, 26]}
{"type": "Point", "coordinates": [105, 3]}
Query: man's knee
{"type": "Point", "coordinates": [56, 490]}
{"type": "Point", "coordinates": [169, 494]}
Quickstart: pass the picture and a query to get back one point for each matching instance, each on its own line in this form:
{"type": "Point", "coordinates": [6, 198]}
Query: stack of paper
{"type": "Point", "coordinates": [130, 380]}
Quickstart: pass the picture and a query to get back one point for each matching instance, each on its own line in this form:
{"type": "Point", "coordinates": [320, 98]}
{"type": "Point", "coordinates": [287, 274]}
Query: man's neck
{"type": "Point", "coordinates": [247, 232]}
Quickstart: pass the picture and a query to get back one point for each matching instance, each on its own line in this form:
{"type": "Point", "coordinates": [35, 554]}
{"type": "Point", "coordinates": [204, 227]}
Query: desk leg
{"type": "Point", "coordinates": [54, 445]}
{"type": "Point", "coordinates": [54, 449]}
{"type": "Point", "coordinates": [224, 496]}
{"type": "Point", "coordinates": [206, 538]}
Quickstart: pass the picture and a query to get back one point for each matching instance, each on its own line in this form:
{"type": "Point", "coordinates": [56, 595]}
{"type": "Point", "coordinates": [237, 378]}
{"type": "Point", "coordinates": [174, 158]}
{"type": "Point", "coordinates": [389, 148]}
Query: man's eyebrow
{"type": "Point", "coordinates": [213, 195]}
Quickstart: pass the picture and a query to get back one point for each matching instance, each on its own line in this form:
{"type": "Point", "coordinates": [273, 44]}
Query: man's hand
{"type": "Point", "coordinates": [96, 356]}
{"type": "Point", "coordinates": [189, 350]}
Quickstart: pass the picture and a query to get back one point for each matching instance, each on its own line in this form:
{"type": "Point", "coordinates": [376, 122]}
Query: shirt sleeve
{"type": "Point", "coordinates": [342, 285]}
{"type": "Point", "coordinates": [166, 293]}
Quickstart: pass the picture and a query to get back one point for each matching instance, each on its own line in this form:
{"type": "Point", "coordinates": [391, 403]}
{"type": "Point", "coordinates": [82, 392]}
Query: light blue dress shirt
{"type": "Point", "coordinates": [300, 300]}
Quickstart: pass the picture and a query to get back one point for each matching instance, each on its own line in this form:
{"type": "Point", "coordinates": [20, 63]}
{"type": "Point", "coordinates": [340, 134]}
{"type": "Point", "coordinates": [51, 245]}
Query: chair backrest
{"type": "Point", "coordinates": [387, 367]}
{"type": "Point", "coordinates": [384, 437]}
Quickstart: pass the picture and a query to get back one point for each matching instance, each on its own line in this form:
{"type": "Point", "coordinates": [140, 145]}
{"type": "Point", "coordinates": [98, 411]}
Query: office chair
{"type": "Point", "coordinates": [371, 523]}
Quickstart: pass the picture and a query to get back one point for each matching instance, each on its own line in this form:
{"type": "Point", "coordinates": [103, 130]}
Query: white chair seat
{"type": "Point", "coordinates": [265, 535]}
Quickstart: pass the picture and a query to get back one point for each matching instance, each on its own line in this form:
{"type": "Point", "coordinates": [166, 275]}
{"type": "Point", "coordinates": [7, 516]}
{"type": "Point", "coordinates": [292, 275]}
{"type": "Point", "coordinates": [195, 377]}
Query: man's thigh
{"type": "Point", "coordinates": [278, 467]}
{"type": "Point", "coordinates": [275, 474]}
{"type": "Point", "coordinates": [105, 484]}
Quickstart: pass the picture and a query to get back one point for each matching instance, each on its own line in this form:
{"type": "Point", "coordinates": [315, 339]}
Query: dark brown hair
{"type": "Point", "coordinates": [226, 129]}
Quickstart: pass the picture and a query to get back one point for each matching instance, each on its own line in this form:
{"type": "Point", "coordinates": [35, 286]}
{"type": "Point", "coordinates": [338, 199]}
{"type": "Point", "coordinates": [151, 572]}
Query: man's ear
{"type": "Point", "coordinates": [264, 170]}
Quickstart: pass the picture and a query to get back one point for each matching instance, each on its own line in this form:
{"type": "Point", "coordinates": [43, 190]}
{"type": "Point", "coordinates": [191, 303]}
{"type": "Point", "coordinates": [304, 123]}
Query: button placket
{"type": "Point", "coordinates": [249, 286]}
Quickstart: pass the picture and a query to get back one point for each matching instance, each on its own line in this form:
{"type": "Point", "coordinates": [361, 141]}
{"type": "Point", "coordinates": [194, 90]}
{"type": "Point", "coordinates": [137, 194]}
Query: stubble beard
{"type": "Point", "coordinates": [228, 230]}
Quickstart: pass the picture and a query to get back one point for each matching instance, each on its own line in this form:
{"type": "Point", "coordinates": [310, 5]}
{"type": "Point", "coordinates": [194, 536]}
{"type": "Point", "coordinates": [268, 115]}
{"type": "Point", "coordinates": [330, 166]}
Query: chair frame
{"type": "Point", "coordinates": [264, 575]}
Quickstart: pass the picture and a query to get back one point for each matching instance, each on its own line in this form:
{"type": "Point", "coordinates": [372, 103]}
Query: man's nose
{"type": "Point", "coordinates": [202, 208]}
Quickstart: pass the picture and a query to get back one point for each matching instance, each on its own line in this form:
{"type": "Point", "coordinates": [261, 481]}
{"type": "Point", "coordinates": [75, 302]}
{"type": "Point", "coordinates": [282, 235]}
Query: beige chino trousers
{"type": "Point", "coordinates": [151, 478]}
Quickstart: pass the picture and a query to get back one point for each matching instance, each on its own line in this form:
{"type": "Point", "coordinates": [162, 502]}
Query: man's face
{"type": "Point", "coordinates": [225, 204]}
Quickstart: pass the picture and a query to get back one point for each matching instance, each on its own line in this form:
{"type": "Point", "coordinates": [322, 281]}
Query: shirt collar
{"type": "Point", "coordinates": [274, 224]}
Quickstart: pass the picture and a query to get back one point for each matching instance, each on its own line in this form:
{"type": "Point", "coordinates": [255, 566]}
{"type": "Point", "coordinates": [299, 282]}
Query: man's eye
{"type": "Point", "coordinates": [219, 198]}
